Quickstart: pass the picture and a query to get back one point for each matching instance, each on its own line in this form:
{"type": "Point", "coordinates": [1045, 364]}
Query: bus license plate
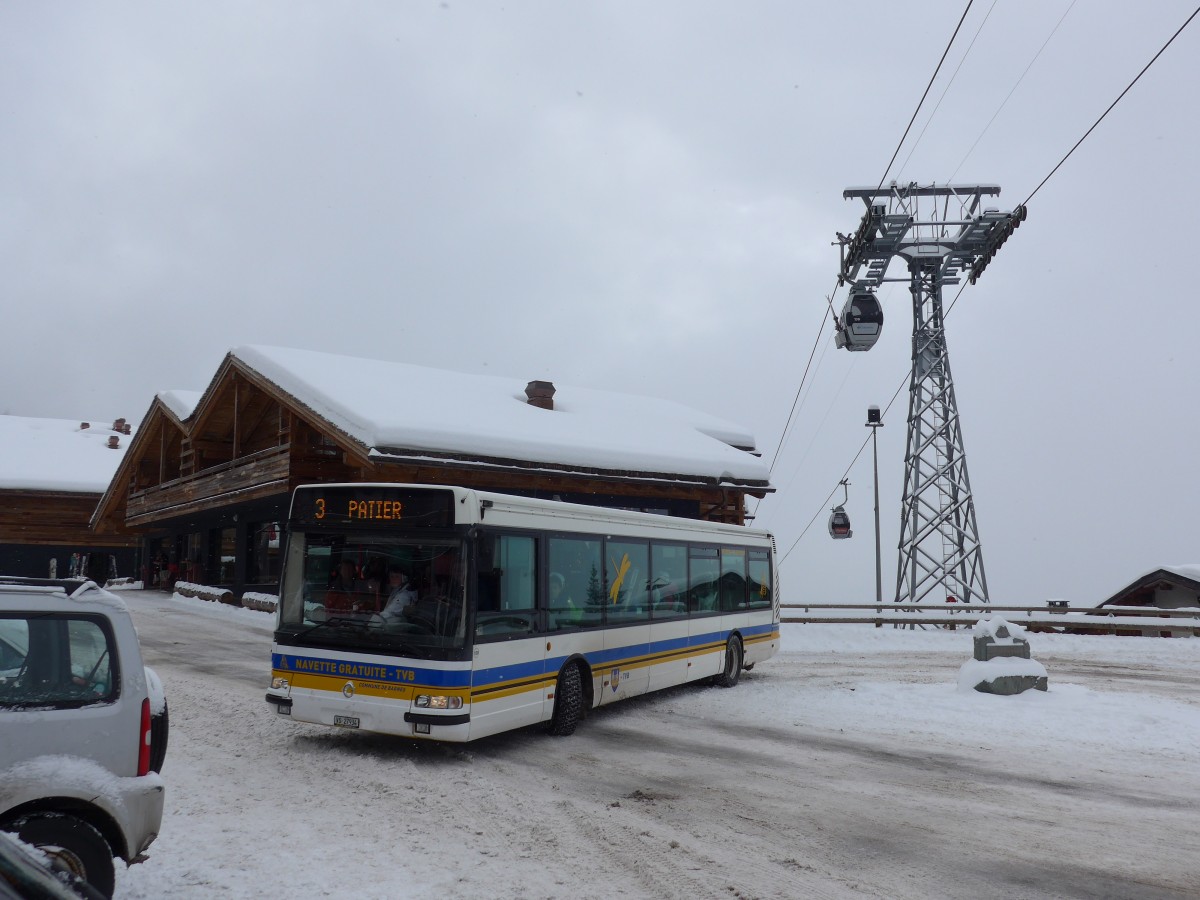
{"type": "Point", "coordinates": [345, 721]}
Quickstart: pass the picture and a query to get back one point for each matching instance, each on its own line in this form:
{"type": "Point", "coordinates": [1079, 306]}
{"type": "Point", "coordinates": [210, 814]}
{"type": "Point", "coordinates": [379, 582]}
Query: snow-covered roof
{"type": "Point", "coordinates": [180, 403]}
{"type": "Point", "coordinates": [392, 406]}
{"type": "Point", "coordinates": [58, 455]}
{"type": "Point", "coordinates": [1188, 572]}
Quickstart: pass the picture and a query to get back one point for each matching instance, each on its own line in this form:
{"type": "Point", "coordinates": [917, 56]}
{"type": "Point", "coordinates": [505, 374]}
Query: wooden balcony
{"type": "Point", "coordinates": [257, 475]}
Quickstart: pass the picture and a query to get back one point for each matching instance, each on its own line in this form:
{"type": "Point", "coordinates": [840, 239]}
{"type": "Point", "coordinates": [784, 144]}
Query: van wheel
{"type": "Point", "coordinates": [733, 664]}
{"type": "Point", "coordinates": [160, 729]}
{"type": "Point", "coordinates": [72, 845]}
{"type": "Point", "coordinates": [568, 701]}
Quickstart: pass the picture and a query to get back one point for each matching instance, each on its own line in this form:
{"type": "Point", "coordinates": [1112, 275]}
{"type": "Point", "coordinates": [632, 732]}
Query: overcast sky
{"type": "Point", "coordinates": [641, 197]}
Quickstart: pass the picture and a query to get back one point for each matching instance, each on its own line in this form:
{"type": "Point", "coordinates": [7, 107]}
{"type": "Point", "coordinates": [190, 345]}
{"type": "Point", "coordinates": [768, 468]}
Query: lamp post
{"type": "Point", "coordinates": [874, 423]}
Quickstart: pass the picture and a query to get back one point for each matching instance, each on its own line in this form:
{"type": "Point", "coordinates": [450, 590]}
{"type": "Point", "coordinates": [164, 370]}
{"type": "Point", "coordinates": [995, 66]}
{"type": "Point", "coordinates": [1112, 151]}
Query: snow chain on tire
{"type": "Point", "coordinates": [568, 701]}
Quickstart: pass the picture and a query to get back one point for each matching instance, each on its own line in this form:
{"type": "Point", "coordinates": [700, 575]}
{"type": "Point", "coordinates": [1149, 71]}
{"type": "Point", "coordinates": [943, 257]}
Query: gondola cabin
{"type": "Point", "coordinates": [839, 524]}
{"type": "Point", "coordinates": [861, 321]}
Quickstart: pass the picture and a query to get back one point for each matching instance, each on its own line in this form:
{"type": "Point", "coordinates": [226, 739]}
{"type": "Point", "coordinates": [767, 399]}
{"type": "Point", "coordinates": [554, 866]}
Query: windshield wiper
{"type": "Point", "coordinates": [333, 622]}
{"type": "Point", "coordinates": [379, 639]}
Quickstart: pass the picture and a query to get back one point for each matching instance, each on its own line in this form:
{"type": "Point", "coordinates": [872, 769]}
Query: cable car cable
{"type": "Point", "coordinates": [846, 474]}
{"type": "Point", "coordinates": [816, 433]}
{"type": "Point", "coordinates": [924, 95]}
{"type": "Point", "coordinates": [1004, 102]}
{"type": "Point", "coordinates": [796, 400]}
{"type": "Point", "coordinates": [1114, 103]}
{"type": "Point", "coordinates": [946, 89]}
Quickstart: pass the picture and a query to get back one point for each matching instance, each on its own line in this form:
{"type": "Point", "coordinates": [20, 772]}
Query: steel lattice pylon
{"type": "Point", "coordinates": [939, 538]}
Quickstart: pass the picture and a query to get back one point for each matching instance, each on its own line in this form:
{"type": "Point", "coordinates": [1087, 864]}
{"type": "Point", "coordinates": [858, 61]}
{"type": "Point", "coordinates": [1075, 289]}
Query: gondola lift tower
{"type": "Point", "coordinates": [941, 233]}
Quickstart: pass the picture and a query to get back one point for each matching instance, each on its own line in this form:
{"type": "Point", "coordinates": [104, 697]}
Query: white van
{"type": "Point", "coordinates": [84, 728]}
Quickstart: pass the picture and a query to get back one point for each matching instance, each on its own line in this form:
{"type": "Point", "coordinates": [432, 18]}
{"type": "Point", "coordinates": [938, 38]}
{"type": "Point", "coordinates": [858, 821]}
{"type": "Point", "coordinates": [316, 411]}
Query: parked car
{"type": "Point", "coordinates": [85, 728]}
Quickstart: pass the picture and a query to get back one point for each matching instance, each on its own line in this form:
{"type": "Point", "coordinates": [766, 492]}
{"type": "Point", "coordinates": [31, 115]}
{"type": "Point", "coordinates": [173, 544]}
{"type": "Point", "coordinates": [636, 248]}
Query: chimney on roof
{"type": "Point", "coordinates": [119, 425]}
{"type": "Point", "coordinates": [83, 425]}
{"type": "Point", "coordinates": [128, 429]}
{"type": "Point", "coordinates": [114, 442]}
{"type": "Point", "coordinates": [540, 394]}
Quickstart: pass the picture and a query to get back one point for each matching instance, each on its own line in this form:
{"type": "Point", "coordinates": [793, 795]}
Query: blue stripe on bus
{"type": "Point", "coordinates": [383, 672]}
{"type": "Point", "coordinates": [498, 676]}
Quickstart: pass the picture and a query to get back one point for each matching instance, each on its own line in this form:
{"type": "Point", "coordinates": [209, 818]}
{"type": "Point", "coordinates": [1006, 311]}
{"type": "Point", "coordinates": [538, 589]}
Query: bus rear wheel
{"type": "Point", "coordinates": [733, 664]}
{"type": "Point", "coordinates": [568, 701]}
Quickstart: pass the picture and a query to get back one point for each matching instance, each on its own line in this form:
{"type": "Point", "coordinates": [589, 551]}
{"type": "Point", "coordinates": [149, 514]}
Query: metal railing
{"type": "Point", "coordinates": [1130, 620]}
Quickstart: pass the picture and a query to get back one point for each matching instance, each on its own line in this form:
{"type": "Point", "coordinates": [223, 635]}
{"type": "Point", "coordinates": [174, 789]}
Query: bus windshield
{"type": "Point", "coordinates": [380, 593]}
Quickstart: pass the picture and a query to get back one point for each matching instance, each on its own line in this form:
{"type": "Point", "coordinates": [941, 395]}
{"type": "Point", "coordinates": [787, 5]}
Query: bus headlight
{"type": "Point", "coordinates": [279, 684]}
{"type": "Point", "coordinates": [436, 701]}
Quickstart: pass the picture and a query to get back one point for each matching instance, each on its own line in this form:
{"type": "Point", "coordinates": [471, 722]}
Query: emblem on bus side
{"type": "Point", "coordinates": [348, 690]}
{"type": "Point", "coordinates": [614, 678]}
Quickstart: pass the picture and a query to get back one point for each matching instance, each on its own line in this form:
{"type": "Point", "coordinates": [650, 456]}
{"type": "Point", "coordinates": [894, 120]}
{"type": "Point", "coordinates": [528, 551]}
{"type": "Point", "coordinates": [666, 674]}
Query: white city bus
{"type": "Point", "coordinates": [452, 614]}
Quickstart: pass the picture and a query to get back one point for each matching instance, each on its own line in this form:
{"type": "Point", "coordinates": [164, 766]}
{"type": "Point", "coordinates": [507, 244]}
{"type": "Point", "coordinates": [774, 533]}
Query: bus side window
{"type": "Point", "coordinates": [576, 584]}
{"type": "Point", "coordinates": [628, 595]}
{"type": "Point", "coordinates": [704, 572]}
{"type": "Point", "coordinates": [733, 579]}
{"type": "Point", "coordinates": [668, 586]}
{"type": "Point", "coordinates": [760, 579]}
{"type": "Point", "coordinates": [507, 595]}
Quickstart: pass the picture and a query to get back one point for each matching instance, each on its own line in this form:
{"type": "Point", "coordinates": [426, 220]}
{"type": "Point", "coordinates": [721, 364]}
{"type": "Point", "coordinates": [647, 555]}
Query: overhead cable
{"type": "Point", "coordinates": [1114, 103]}
{"type": "Point", "coordinates": [946, 89]}
{"type": "Point", "coordinates": [892, 161]}
{"type": "Point", "coordinates": [1004, 102]}
{"type": "Point", "coordinates": [787, 424]}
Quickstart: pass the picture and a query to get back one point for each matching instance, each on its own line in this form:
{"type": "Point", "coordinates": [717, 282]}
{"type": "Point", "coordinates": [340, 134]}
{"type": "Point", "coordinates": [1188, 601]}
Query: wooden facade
{"type": "Point", "coordinates": [39, 526]}
{"type": "Point", "coordinates": [207, 491]}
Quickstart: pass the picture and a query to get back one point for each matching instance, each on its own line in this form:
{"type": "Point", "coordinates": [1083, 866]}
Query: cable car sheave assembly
{"type": "Point", "coordinates": [940, 232]}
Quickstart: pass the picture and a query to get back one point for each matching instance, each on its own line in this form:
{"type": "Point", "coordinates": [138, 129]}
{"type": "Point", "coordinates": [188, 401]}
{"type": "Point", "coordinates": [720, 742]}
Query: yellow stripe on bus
{"type": "Point", "coordinates": [498, 689]}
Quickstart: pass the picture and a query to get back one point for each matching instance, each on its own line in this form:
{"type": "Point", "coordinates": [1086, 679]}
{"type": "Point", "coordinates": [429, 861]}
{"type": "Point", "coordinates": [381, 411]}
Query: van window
{"type": "Point", "coordinates": [56, 661]}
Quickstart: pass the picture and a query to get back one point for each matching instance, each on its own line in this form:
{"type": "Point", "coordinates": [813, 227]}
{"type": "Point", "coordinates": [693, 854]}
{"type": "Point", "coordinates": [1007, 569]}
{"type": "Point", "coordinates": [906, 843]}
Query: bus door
{"type": "Point", "coordinates": [509, 654]}
{"type": "Point", "coordinates": [627, 604]}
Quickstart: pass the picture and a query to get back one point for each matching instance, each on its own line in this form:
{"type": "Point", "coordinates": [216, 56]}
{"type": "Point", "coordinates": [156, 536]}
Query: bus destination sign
{"type": "Point", "coordinates": [373, 506]}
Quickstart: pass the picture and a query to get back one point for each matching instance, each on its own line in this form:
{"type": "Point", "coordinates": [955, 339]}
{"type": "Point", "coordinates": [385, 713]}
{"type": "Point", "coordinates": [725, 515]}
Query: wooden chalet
{"type": "Point", "coordinates": [207, 485]}
{"type": "Point", "coordinates": [52, 474]}
{"type": "Point", "coordinates": [1168, 588]}
{"type": "Point", "coordinates": [1176, 587]}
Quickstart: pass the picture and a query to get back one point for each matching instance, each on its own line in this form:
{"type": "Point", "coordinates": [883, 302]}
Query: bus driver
{"type": "Point", "coordinates": [400, 594]}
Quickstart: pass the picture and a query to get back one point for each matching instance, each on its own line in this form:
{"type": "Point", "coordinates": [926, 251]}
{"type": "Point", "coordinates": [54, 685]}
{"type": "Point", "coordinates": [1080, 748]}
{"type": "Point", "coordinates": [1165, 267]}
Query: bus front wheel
{"type": "Point", "coordinates": [568, 701]}
{"type": "Point", "coordinates": [733, 664]}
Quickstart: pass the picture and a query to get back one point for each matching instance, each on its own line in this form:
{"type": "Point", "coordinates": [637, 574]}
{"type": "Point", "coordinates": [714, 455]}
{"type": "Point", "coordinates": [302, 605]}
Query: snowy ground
{"type": "Point", "coordinates": [848, 766]}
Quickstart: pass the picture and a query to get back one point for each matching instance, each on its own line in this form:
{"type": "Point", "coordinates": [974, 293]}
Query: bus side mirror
{"type": "Point", "coordinates": [485, 552]}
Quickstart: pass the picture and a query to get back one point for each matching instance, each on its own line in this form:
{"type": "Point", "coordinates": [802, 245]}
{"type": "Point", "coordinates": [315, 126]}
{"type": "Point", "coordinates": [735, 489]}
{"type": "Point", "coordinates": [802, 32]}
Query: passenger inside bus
{"type": "Point", "coordinates": [375, 576]}
{"type": "Point", "coordinates": [347, 592]}
{"type": "Point", "coordinates": [567, 611]}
